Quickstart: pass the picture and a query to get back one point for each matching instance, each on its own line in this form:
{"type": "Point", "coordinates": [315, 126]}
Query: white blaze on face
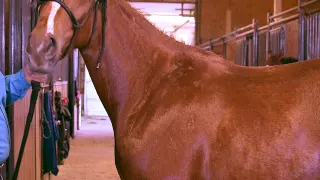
{"type": "Point", "coordinates": [50, 24]}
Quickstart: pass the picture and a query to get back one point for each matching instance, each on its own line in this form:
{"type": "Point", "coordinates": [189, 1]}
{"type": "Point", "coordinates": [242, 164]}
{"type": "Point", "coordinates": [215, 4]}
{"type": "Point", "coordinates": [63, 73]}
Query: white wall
{"type": "Point", "coordinates": [93, 105]}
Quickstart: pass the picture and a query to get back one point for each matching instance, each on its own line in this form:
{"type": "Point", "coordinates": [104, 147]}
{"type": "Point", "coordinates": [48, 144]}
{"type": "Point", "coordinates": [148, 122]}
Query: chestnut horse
{"type": "Point", "coordinates": [278, 59]}
{"type": "Point", "coordinates": [179, 112]}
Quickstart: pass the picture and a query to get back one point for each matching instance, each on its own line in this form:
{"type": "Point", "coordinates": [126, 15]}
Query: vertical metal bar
{"type": "Point", "coordinates": [315, 31]}
{"type": "Point", "coordinates": [308, 39]}
{"type": "Point", "coordinates": [255, 43]}
{"type": "Point", "coordinates": [302, 33]}
{"type": "Point", "coordinates": [313, 35]}
{"type": "Point", "coordinates": [236, 53]}
{"type": "Point", "coordinates": [2, 36]}
{"type": "Point", "coordinates": [277, 42]}
{"type": "Point", "coordinates": [211, 46]}
{"type": "Point", "coordinates": [268, 36]}
{"type": "Point", "coordinates": [246, 55]}
{"type": "Point", "coordinates": [224, 48]}
{"type": "Point", "coordinates": [310, 35]}
{"type": "Point", "coordinates": [242, 53]}
{"type": "Point", "coordinates": [318, 39]}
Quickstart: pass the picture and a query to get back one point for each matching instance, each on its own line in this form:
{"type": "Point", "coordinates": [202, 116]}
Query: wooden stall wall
{"type": "Point", "coordinates": [18, 27]}
{"type": "Point", "coordinates": [31, 162]}
{"type": "Point", "coordinates": [60, 72]}
{"type": "Point", "coordinates": [220, 17]}
{"type": "Point", "coordinates": [60, 77]}
{"type": "Point", "coordinates": [61, 86]}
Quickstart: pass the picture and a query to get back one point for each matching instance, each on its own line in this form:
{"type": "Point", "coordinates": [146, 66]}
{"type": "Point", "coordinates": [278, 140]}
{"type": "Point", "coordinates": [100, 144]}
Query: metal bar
{"type": "Point", "coordinates": [268, 35]}
{"type": "Point", "coordinates": [263, 28]}
{"type": "Point", "coordinates": [245, 33]}
{"type": "Point", "coordinates": [284, 13]}
{"type": "Point", "coordinates": [294, 9]}
{"type": "Point", "coordinates": [2, 36]}
{"type": "Point", "coordinates": [244, 28]}
{"type": "Point", "coordinates": [305, 4]}
{"type": "Point", "coordinates": [270, 23]}
{"type": "Point", "coordinates": [311, 35]}
{"type": "Point", "coordinates": [255, 43]}
{"type": "Point", "coordinates": [301, 38]}
{"type": "Point", "coordinates": [284, 20]}
{"type": "Point", "coordinates": [247, 60]}
{"type": "Point", "coordinates": [211, 46]}
{"type": "Point", "coordinates": [227, 35]}
{"type": "Point", "coordinates": [318, 39]}
{"type": "Point", "coordinates": [224, 47]}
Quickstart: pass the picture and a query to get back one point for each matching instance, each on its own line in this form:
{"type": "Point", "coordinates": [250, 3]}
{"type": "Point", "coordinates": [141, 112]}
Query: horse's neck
{"type": "Point", "coordinates": [129, 61]}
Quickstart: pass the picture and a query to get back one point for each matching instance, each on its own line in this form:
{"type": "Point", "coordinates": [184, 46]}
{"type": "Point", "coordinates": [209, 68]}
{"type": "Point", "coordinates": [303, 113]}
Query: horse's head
{"type": "Point", "coordinates": [54, 34]}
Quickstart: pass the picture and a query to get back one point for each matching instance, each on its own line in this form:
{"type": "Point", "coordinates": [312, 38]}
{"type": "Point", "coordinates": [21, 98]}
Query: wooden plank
{"type": "Point", "coordinates": [61, 86]}
{"type": "Point", "coordinates": [31, 155]}
{"type": "Point", "coordinates": [38, 141]}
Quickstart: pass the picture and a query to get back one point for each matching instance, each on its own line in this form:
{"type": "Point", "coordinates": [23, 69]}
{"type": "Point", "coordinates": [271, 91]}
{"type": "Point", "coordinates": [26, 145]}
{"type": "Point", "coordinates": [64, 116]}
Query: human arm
{"type": "Point", "coordinates": [18, 84]}
{"type": "Point", "coordinates": [16, 87]}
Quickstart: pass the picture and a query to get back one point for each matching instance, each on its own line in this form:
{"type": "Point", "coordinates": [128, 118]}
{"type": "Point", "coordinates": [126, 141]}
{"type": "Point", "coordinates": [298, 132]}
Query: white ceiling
{"type": "Point", "coordinates": [165, 16]}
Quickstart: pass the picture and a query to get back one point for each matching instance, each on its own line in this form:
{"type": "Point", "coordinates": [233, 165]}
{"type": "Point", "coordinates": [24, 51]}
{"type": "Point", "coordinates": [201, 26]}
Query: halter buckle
{"type": "Point", "coordinates": [44, 87]}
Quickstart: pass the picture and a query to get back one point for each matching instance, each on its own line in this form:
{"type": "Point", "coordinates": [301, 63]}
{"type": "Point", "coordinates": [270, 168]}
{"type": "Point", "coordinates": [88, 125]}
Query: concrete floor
{"type": "Point", "coordinates": [91, 154]}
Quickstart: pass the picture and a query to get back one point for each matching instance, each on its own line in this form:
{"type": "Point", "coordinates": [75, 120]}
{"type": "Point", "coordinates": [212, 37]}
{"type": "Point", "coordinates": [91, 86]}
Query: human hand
{"type": "Point", "coordinates": [35, 76]}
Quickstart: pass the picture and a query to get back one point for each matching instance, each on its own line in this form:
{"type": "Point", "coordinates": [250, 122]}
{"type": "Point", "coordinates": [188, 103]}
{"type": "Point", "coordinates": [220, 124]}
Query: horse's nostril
{"type": "Point", "coordinates": [51, 48]}
{"type": "Point", "coordinates": [53, 41]}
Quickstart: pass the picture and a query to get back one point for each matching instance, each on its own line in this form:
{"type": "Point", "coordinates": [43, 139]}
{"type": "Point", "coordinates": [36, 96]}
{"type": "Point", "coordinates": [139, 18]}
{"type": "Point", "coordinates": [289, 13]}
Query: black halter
{"type": "Point", "coordinates": [76, 25]}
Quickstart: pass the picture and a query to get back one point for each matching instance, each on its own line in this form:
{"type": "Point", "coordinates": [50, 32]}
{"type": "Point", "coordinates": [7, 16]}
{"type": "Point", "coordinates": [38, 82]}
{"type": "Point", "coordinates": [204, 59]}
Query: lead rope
{"type": "Point", "coordinates": [1, 166]}
{"type": "Point", "coordinates": [44, 120]}
{"type": "Point", "coordinates": [34, 97]}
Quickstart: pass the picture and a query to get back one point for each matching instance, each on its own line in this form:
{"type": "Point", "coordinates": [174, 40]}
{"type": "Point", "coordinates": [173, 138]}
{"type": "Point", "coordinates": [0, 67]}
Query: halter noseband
{"type": "Point", "coordinates": [76, 25]}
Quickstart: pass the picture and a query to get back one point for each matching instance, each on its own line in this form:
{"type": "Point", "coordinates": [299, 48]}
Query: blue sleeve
{"type": "Point", "coordinates": [16, 87]}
